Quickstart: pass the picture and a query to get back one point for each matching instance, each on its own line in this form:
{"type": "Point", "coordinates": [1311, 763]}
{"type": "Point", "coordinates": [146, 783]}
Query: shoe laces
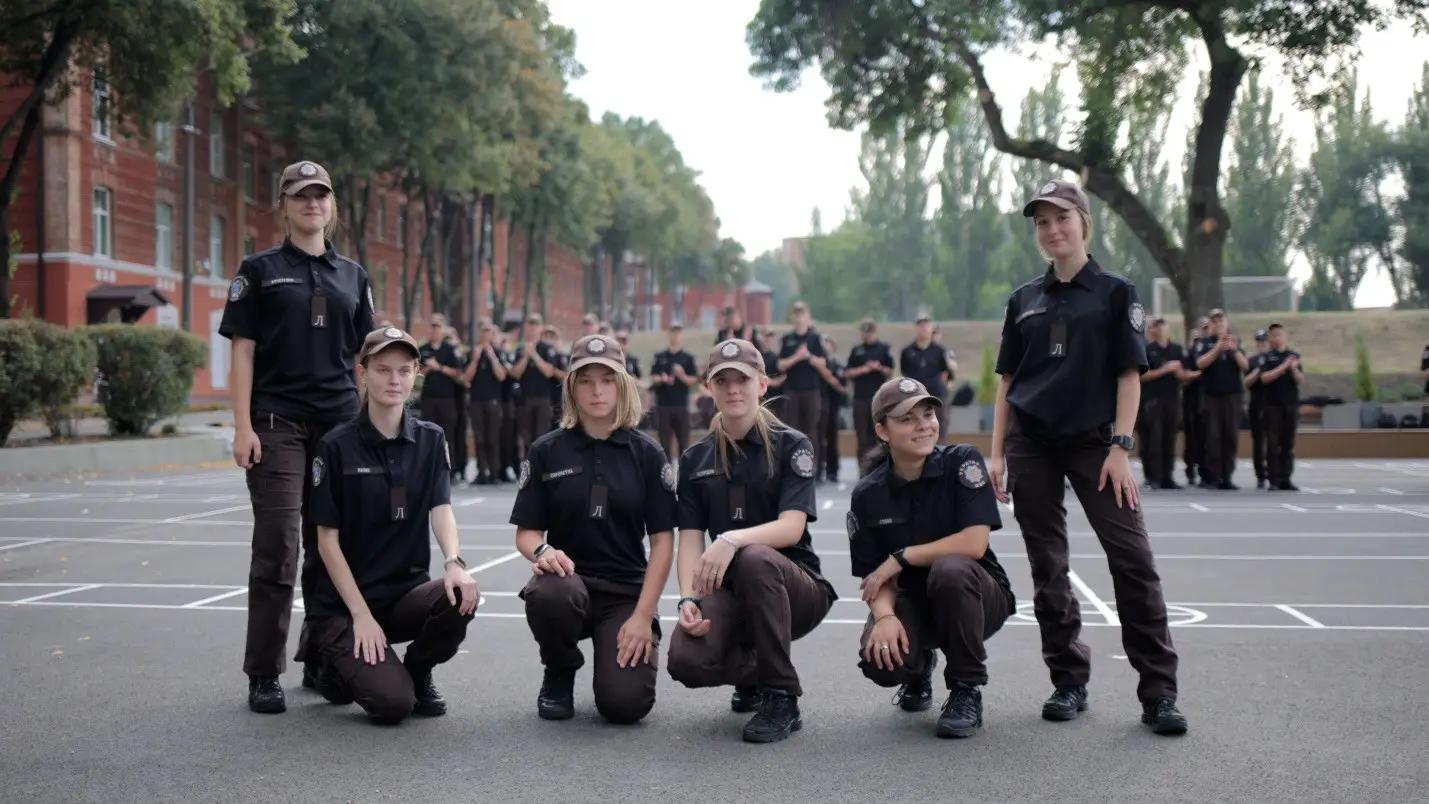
{"type": "Point", "coordinates": [962, 702]}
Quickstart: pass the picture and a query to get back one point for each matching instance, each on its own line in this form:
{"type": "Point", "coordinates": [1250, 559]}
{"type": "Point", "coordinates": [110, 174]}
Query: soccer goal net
{"type": "Point", "coordinates": [1243, 294]}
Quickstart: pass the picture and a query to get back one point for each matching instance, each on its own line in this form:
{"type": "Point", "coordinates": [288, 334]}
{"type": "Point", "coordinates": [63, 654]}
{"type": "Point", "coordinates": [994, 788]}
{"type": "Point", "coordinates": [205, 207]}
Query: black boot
{"type": "Point", "coordinates": [917, 695]}
{"type": "Point", "coordinates": [744, 700]}
{"type": "Point", "coordinates": [265, 695]}
{"type": "Point", "coordinates": [310, 675]}
{"type": "Point", "coordinates": [1065, 703]}
{"type": "Point", "coordinates": [331, 686]}
{"type": "Point", "coordinates": [962, 713]}
{"type": "Point", "coordinates": [557, 700]}
{"type": "Point", "coordinates": [1163, 717]}
{"type": "Point", "coordinates": [430, 702]}
{"type": "Point", "coordinates": [778, 717]}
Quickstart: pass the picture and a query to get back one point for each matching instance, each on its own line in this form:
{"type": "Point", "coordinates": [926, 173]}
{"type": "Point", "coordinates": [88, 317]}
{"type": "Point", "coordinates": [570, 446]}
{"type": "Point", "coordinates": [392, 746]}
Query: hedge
{"type": "Point", "coordinates": [147, 373]}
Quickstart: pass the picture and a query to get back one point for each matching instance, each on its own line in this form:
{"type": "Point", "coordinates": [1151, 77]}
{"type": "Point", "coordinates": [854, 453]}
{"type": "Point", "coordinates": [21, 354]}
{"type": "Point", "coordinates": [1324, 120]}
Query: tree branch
{"type": "Point", "coordinates": [1204, 208]}
{"type": "Point", "coordinates": [55, 61]}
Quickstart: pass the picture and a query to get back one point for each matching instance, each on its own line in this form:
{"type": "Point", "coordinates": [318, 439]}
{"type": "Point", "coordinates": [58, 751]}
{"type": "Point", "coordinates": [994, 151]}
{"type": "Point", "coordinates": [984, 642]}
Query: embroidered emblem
{"type": "Point", "coordinates": [970, 474]}
{"type": "Point", "coordinates": [667, 476]}
{"type": "Point", "coordinates": [238, 289]}
{"type": "Point", "coordinates": [308, 170]}
{"type": "Point", "coordinates": [317, 472]}
{"type": "Point", "coordinates": [1138, 316]}
{"type": "Point", "coordinates": [730, 349]}
{"type": "Point", "coordinates": [803, 463]}
{"type": "Point", "coordinates": [1048, 188]}
{"type": "Point", "coordinates": [596, 346]}
{"type": "Point", "coordinates": [392, 332]}
{"type": "Point", "coordinates": [525, 475]}
{"type": "Point", "coordinates": [370, 305]}
{"type": "Point", "coordinates": [851, 522]}
{"type": "Point", "coordinates": [908, 386]}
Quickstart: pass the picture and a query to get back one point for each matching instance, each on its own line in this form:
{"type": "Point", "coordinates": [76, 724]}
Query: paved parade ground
{"type": "Point", "coordinates": [1302, 621]}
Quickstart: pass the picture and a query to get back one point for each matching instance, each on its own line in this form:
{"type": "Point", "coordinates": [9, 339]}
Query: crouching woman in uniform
{"type": "Point", "coordinates": [590, 492]}
{"type": "Point", "coordinates": [756, 588]}
{"type": "Point", "coordinates": [381, 484]}
{"type": "Point", "coordinates": [918, 527]}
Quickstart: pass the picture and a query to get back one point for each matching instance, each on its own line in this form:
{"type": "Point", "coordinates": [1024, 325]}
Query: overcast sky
{"type": "Point", "coordinates": [768, 159]}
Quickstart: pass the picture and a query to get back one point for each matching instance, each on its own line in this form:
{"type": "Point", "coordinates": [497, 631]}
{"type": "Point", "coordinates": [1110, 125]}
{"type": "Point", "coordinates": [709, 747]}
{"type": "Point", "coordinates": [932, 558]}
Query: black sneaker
{"type": "Point", "coordinates": [917, 696]}
{"type": "Point", "coordinates": [1065, 703]}
{"type": "Point", "coordinates": [1287, 486]}
{"type": "Point", "coordinates": [265, 695]}
{"type": "Point", "coordinates": [1170, 485]}
{"type": "Point", "coordinates": [557, 700]}
{"type": "Point", "coordinates": [1226, 485]}
{"type": "Point", "coordinates": [744, 700]}
{"type": "Point", "coordinates": [430, 702]}
{"type": "Point", "coordinates": [1260, 482]}
{"type": "Point", "coordinates": [1163, 717]}
{"type": "Point", "coordinates": [331, 686]}
{"type": "Point", "coordinates": [962, 712]}
{"type": "Point", "coordinates": [778, 717]}
{"type": "Point", "coordinates": [310, 675]}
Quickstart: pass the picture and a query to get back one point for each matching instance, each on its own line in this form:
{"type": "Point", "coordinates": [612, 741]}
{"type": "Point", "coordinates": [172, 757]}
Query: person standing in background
{"type": "Point", "coordinates": [734, 326]}
{"type": "Point", "coordinates": [1194, 429]}
{"type": "Point", "coordinates": [560, 360]}
{"type": "Point", "coordinates": [672, 372]}
{"type": "Point", "coordinates": [801, 357]}
{"type": "Point", "coordinates": [485, 375]}
{"type": "Point", "coordinates": [441, 368]}
{"type": "Point", "coordinates": [774, 401]}
{"type": "Point", "coordinates": [870, 364]}
{"type": "Point", "coordinates": [1254, 407]}
{"type": "Point", "coordinates": [835, 395]}
{"type": "Point", "coordinates": [1160, 405]}
{"type": "Point", "coordinates": [510, 406]}
{"type": "Point", "coordinates": [1279, 374]}
{"type": "Point", "coordinates": [1220, 357]}
{"type": "Point", "coordinates": [926, 361]}
{"type": "Point", "coordinates": [533, 368]}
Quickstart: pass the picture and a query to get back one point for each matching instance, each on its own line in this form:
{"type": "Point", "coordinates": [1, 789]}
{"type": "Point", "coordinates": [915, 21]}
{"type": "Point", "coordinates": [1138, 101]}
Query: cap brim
{"type": "Point", "coordinates": [302, 184]}
{"type": "Point", "coordinates": [1030, 210]}
{"type": "Point", "coordinates": [412, 347]}
{"type": "Point", "coordinates": [910, 403]}
{"type": "Point", "coordinates": [577, 365]}
{"type": "Point", "coordinates": [743, 368]}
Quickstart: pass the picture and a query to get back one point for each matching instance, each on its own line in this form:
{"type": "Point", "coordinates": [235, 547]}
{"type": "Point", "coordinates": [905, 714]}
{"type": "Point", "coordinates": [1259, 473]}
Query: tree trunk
{"type": "Point", "coordinates": [427, 263]}
{"type": "Point", "coordinates": [506, 273]}
{"type": "Point", "coordinates": [529, 267]}
{"type": "Point", "coordinates": [405, 284]}
{"type": "Point", "coordinates": [541, 268]}
{"type": "Point", "coordinates": [357, 215]}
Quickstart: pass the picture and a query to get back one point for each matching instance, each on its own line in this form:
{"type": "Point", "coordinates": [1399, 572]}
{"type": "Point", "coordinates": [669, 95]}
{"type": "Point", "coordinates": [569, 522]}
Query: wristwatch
{"type": "Point", "coordinates": [901, 559]}
{"type": "Point", "coordinates": [543, 547]}
{"type": "Point", "coordinates": [1126, 442]}
{"type": "Point", "coordinates": [458, 560]}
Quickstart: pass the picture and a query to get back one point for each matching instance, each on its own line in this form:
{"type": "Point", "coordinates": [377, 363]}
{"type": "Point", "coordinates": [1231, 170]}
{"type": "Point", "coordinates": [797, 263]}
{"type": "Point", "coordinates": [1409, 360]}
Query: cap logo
{"type": "Point", "coordinates": [595, 346]}
{"type": "Point", "coordinates": [908, 386]}
{"type": "Point", "coordinates": [971, 474]}
{"type": "Point", "coordinates": [1048, 188]}
{"type": "Point", "coordinates": [392, 332]}
{"type": "Point", "coordinates": [730, 349]}
{"type": "Point", "coordinates": [307, 170]}
{"type": "Point", "coordinates": [238, 289]}
{"type": "Point", "coordinates": [1138, 316]}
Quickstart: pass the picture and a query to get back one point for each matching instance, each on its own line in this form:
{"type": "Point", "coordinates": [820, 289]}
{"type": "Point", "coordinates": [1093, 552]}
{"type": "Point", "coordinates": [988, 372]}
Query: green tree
{"type": "Point", "coordinates": [773, 270]}
{"type": "Point", "coordinates": [895, 210]}
{"type": "Point", "coordinates": [968, 222]}
{"type": "Point", "coordinates": [1043, 118]}
{"type": "Point", "coordinates": [1411, 156]}
{"type": "Point", "coordinates": [1259, 180]}
{"type": "Point", "coordinates": [889, 61]}
{"type": "Point", "coordinates": [148, 53]}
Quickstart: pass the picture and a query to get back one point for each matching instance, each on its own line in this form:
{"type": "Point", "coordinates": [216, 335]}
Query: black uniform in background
{"type": "Point", "coordinates": [829, 428]}
{"type": "Point", "coordinates": [672, 400]}
{"type": "Point", "coordinates": [1222, 385]}
{"type": "Point", "coordinates": [1280, 417]}
{"type": "Point", "coordinates": [536, 411]}
{"type": "Point", "coordinates": [486, 414]}
{"type": "Point", "coordinates": [510, 419]}
{"type": "Point", "coordinates": [1160, 412]}
{"type": "Point", "coordinates": [803, 387]}
{"type": "Point", "coordinates": [864, 387]}
{"type": "Point", "coordinates": [1255, 404]}
{"type": "Point", "coordinates": [1192, 426]}
{"type": "Point", "coordinates": [439, 399]}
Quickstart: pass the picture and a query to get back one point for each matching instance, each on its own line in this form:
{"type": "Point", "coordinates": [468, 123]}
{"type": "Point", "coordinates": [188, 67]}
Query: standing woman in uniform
{"type": "Point", "coordinates": [382, 484]}
{"type": "Point", "coordinates": [297, 315]}
{"type": "Point", "coordinates": [756, 588]}
{"type": "Point", "coordinates": [1071, 358]}
{"type": "Point", "coordinates": [918, 529]}
{"type": "Point", "coordinates": [591, 491]}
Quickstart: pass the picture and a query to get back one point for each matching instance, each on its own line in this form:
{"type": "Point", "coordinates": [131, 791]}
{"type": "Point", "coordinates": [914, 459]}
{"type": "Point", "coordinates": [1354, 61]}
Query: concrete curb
{"type": "Point", "coordinates": [121, 455]}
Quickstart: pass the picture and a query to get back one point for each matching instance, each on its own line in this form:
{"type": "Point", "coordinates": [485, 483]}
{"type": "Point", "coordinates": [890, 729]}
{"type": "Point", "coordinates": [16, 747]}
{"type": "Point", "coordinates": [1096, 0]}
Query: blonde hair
{"type": "Point", "coordinates": [329, 228]}
{"type": "Point", "coordinates": [628, 408]}
{"type": "Point", "coordinates": [1086, 234]}
{"type": "Point", "coordinates": [764, 421]}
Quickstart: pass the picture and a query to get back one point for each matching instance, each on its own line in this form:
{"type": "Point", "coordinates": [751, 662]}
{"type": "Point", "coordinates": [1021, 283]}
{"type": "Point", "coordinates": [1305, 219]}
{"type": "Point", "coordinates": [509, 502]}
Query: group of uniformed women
{"type": "Point", "coordinates": [595, 489]}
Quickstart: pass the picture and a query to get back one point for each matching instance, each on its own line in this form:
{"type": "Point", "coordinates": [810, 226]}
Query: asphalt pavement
{"type": "Point", "coordinates": [1302, 621]}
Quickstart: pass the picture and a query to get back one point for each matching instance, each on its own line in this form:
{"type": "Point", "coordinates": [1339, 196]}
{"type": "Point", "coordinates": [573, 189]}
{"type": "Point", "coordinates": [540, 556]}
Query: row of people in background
{"type": "Point", "coordinates": [1203, 388]}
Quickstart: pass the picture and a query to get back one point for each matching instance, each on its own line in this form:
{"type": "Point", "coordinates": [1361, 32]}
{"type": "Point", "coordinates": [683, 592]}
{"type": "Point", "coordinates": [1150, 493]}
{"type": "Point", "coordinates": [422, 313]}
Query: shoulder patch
{"type": "Point", "coordinates": [802, 462]}
{"type": "Point", "coordinates": [668, 477]}
{"type": "Point", "coordinates": [525, 477]}
{"type": "Point", "coordinates": [971, 474]}
{"type": "Point", "coordinates": [851, 522]}
{"type": "Point", "coordinates": [1137, 313]}
{"type": "Point", "coordinates": [318, 467]}
{"type": "Point", "coordinates": [447, 452]}
{"type": "Point", "coordinates": [370, 306]}
{"type": "Point", "coordinates": [238, 289]}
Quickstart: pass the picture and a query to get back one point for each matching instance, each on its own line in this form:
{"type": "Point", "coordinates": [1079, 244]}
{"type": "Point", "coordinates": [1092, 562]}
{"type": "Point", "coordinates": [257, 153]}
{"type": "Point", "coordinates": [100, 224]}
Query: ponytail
{"type": "Point", "coordinates": [876, 456]}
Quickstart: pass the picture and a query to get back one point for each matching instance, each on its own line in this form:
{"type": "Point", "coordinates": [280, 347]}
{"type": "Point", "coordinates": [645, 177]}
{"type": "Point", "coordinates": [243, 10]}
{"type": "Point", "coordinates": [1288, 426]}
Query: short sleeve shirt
{"type": "Point", "coordinates": [926, 364]}
{"type": "Point", "coordinates": [1223, 377]}
{"type": "Point", "coordinates": [887, 513]}
{"type": "Point", "coordinates": [866, 385]}
{"type": "Point", "coordinates": [802, 376]}
{"type": "Point", "coordinates": [307, 316]}
{"type": "Point", "coordinates": [560, 491]}
{"type": "Point", "coordinates": [484, 385]}
{"type": "Point", "coordinates": [675, 394]}
{"type": "Point", "coordinates": [354, 477]}
{"type": "Point", "coordinates": [1165, 386]}
{"type": "Point", "coordinates": [436, 385]}
{"type": "Point", "coordinates": [1283, 390]}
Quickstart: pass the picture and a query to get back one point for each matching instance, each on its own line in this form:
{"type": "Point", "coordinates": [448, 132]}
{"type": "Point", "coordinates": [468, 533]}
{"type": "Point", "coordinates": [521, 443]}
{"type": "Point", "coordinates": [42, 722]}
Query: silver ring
{"type": "Point", "coordinates": [883, 647]}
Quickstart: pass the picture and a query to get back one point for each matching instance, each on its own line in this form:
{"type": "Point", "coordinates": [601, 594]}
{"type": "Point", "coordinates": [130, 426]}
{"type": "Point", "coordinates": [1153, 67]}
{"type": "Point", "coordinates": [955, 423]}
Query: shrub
{"type": "Point", "coordinates": [987, 381]}
{"type": "Point", "coordinates": [1364, 373]}
{"type": "Point", "coordinates": [67, 362]}
{"type": "Point", "coordinates": [148, 373]}
{"type": "Point", "coordinates": [19, 367]}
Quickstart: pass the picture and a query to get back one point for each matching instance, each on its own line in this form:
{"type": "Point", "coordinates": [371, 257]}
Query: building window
{"type": "Point", "coordinates": [215, 246]}
{"type": "Point", "coordinates": [381, 217]}
{"type": "Point", "coordinates": [378, 278]}
{"type": "Point", "coordinates": [100, 107]}
{"type": "Point", "coordinates": [247, 175]}
{"type": "Point", "coordinates": [250, 245]}
{"type": "Point", "coordinates": [215, 144]}
{"type": "Point", "coordinates": [275, 192]}
{"type": "Point", "coordinates": [164, 141]}
{"type": "Point", "coordinates": [401, 225]}
{"type": "Point", "coordinates": [103, 234]}
{"type": "Point", "coordinates": [164, 236]}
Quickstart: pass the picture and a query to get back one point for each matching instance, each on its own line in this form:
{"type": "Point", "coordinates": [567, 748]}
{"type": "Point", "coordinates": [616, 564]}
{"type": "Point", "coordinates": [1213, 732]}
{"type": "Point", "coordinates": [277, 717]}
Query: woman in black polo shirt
{"type": "Point", "coordinates": [590, 493]}
{"type": "Point", "coordinates": [380, 484]}
{"type": "Point", "coordinates": [1071, 360]}
{"type": "Point", "coordinates": [756, 588]}
{"type": "Point", "coordinates": [297, 315]}
{"type": "Point", "coordinates": [918, 528]}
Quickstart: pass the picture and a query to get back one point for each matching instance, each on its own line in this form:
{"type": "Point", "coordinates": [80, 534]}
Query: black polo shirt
{"type": "Point", "coordinates": [301, 371]}
{"type": "Point", "coordinates": [559, 487]}
{"type": "Point", "coordinates": [436, 385]}
{"type": "Point", "coordinates": [1223, 377]}
{"type": "Point", "coordinates": [559, 361]}
{"type": "Point", "coordinates": [534, 384]}
{"type": "Point", "coordinates": [866, 385]}
{"type": "Point", "coordinates": [834, 395]}
{"type": "Point", "coordinates": [632, 366]}
{"type": "Point", "coordinates": [887, 513]}
{"type": "Point", "coordinates": [1100, 321]}
{"type": "Point", "coordinates": [926, 364]}
{"type": "Point", "coordinates": [511, 388]}
{"type": "Point", "coordinates": [802, 376]}
{"type": "Point", "coordinates": [1283, 391]}
{"type": "Point", "coordinates": [771, 364]}
{"type": "Point", "coordinates": [484, 385]}
{"type": "Point", "coordinates": [1165, 386]}
{"type": "Point", "coordinates": [676, 394]}
{"type": "Point", "coordinates": [1257, 389]}
{"type": "Point", "coordinates": [353, 477]}
{"type": "Point", "coordinates": [711, 502]}
{"type": "Point", "coordinates": [745, 333]}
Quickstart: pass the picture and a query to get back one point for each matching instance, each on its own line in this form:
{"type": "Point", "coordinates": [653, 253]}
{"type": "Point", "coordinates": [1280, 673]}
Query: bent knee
{"type": "Point", "coordinates": [388, 709]}
{"type": "Point", "coordinates": [552, 593]}
{"type": "Point", "coordinates": [952, 569]}
{"type": "Point", "coordinates": [759, 559]}
{"type": "Point", "coordinates": [624, 706]}
{"type": "Point", "coordinates": [690, 664]}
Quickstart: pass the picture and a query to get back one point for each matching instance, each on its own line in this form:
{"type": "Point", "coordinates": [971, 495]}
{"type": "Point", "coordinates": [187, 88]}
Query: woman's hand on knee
{"type": "Point", "coordinates": [461, 589]}
{"type": "Point", "coordinates": [635, 642]}
{"type": "Point", "coordinates": [554, 562]}
{"type": "Point", "coordinates": [369, 643]}
{"type": "Point", "coordinates": [692, 620]}
{"type": "Point", "coordinates": [714, 562]}
{"type": "Point", "coordinates": [887, 643]}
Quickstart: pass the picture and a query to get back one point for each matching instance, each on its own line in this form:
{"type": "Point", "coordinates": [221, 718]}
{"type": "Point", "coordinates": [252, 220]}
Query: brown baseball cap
{"type": "Point", "coordinates": [300, 175]}
{"type": "Point", "coordinates": [737, 354]}
{"type": "Point", "coordinates": [383, 337]}
{"type": "Point", "coordinates": [799, 307]}
{"type": "Point", "coordinates": [867, 325]}
{"type": "Point", "coordinates": [897, 397]}
{"type": "Point", "coordinates": [601, 349]}
{"type": "Point", "coordinates": [1060, 193]}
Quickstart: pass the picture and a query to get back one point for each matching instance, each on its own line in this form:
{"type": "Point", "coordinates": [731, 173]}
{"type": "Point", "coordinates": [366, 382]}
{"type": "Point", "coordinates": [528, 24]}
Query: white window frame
{"type": "Point", "coordinates": [215, 144]}
{"type": "Point", "coordinates": [163, 236]}
{"type": "Point", "coordinates": [101, 109]}
{"type": "Point", "coordinates": [164, 146]}
{"type": "Point", "coordinates": [247, 171]}
{"type": "Point", "coordinates": [216, 238]}
{"type": "Point", "coordinates": [101, 221]}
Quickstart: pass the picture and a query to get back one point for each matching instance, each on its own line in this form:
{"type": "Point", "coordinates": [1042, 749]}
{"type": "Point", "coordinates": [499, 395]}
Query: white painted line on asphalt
{"type": "Point", "coordinates": [1092, 598]}
{"type": "Point", "coordinates": [1297, 509]}
{"type": "Point", "coordinates": [202, 514]}
{"type": "Point", "coordinates": [1198, 507]}
{"type": "Point", "coordinates": [42, 498]}
{"type": "Point", "coordinates": [48, 595]}
{"type": "Point", "coordinates": [514, 554]}
{"type": "Point", "coordinates": [1395, 492]}
{"type": "Point", "coordinates": [1396, 509]}
{"type": "Point", "coordinates": [1308, 490]}
{"type": "Point", "coordinates": [22, 544]}
{"type": "Point", "coordinates": [827, 505]}
{"type": "Point", "coordinates": [1299, 615]}
{"type": "Point", "coordinates": [216, 598]}
{"type": "Point", "coordinates": [472, 501]}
